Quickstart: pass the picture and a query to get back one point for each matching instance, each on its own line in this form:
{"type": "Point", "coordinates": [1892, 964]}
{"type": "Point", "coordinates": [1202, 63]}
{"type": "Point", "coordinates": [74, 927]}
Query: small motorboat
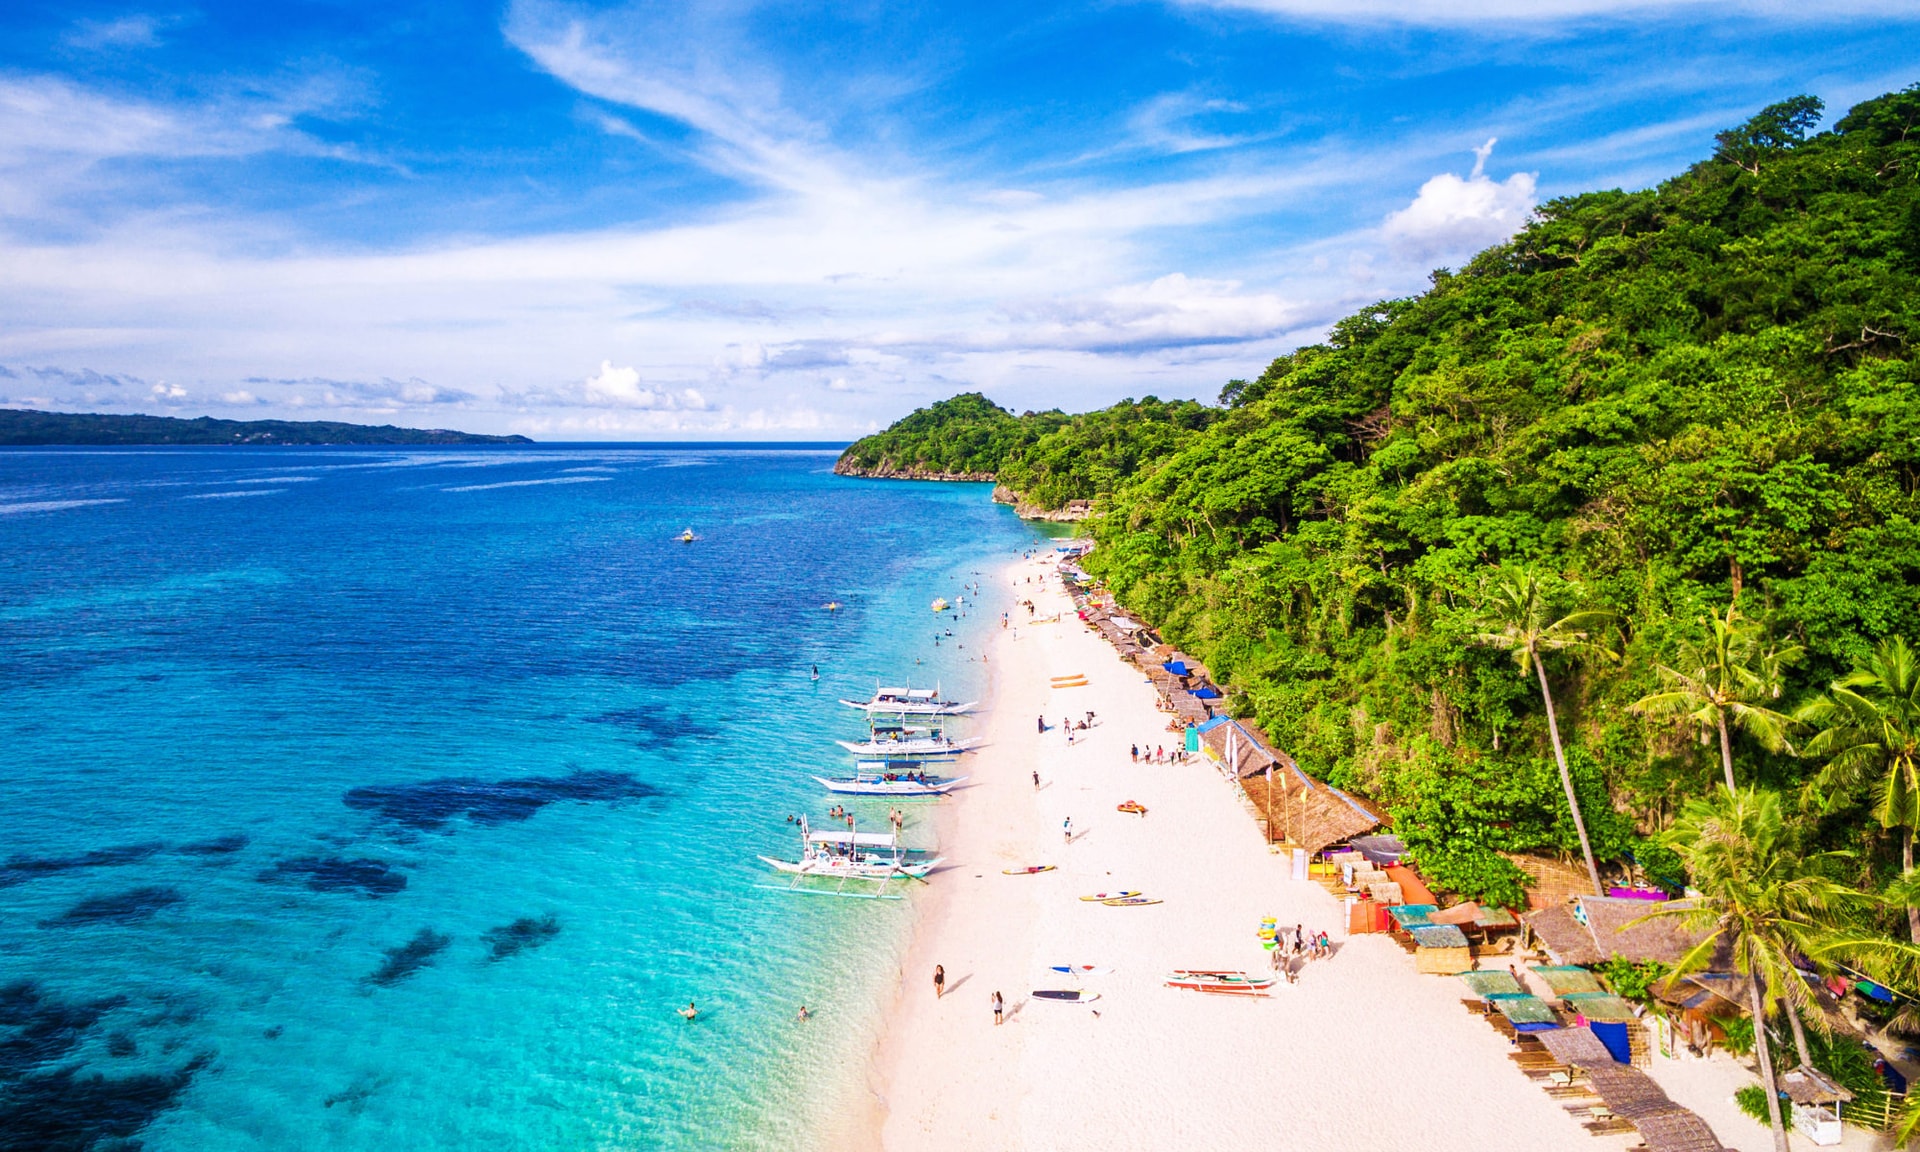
{"type": "Point", "coordinates": [687, 537]}
{"type": "Point", "coordinates": [940, 605]}
{"type": "Point", "coordinates": [1133, 806]}
{"type": "Point", "coordinates": [832, 605]}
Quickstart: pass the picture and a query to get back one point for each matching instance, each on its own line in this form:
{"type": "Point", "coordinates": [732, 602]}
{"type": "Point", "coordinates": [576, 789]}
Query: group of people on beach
{"type": "Point", "coordinates": [1158, 754]}
{"type": "Point", "coordinates": [1290, 946]}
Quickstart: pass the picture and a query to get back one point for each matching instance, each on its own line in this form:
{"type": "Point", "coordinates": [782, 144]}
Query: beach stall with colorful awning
{"type": "Point", "coordinates": [1526, 1012]}
{"type": "Point", "coordinates": [1567, 979]}
{"type": "Point", "coordinates": [1490, 982]}
{"type": "Point", "coordinates": [1440, 949]}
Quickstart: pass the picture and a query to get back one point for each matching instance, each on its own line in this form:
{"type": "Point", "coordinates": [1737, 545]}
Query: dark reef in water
{"type": "Point", "coordinates": [21, 869]}
{"type": "Point", "coordinates": [410, 957]}
{"type": "Point", "coordinates": [524, 933]}
{"type": "Point", "coordinates": [374, 878]}
{"type": "Point", "coordinates": [218, 846]}
{"type": "Point", "coordinates": [64, 1111]}
{"type": "Point", "coordinates": [430, 804]}
{"type": "Point", "coordinates": [654, 722]}
{"type": "Point", "coordinates": [128, 907]}
{"type": "Point", "coordinates": [42, 1029]}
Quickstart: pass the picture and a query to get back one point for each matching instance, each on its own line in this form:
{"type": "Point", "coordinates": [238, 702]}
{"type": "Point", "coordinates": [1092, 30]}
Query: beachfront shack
{"type": "Point", "coordinates": [1292, 807]}
{"type": "Point", "coordinates": [1590, 930]}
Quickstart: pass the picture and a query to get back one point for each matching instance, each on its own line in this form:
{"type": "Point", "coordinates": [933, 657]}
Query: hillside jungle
{"type": "Point", "coordinates": [1665, 444]}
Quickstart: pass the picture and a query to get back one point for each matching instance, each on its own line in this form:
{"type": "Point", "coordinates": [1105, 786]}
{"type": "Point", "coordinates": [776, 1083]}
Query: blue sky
{"type": "Point", "coordinates": [741, 220]}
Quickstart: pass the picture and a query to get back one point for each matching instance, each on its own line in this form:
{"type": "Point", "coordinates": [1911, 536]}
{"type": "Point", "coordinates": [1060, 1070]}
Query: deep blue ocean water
{"type": "Point", "coordinates": [395, 799]}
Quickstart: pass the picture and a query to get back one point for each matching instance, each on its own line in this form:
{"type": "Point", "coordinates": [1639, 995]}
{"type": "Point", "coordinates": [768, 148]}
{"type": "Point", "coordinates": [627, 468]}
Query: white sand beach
{"type": "Point", "coordinates": [1361, 1053]}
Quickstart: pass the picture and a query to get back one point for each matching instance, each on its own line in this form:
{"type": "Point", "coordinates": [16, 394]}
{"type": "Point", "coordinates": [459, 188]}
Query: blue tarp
{"type": "Point", "coordinates": [1177, 667]}
{"type": "Point", "coordinates": [1212, 724]}
{"type": "Point", "coordinates": [1207, 692]}
{"type": "Point", "coordinates": [1614, 1036]}
{"type": "Point", "coordinates": [1873, 991]}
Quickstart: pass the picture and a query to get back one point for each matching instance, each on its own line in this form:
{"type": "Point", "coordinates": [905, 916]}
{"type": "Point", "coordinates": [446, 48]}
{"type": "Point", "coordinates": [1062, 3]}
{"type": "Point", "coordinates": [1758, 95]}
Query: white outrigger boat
{"type": "Point", "coordinates": [909, 783]}
{"type": "Point", "coordinates": [909, 702]}
{"type": "Point", "coordinates": [848, 855]}
{"type": "Point", "coordinates": [906, 746]}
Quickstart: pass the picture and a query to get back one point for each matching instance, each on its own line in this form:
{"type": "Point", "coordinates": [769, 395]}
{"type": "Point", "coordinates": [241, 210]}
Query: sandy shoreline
{"type": "Point", "coordinates": [1361, 1052]}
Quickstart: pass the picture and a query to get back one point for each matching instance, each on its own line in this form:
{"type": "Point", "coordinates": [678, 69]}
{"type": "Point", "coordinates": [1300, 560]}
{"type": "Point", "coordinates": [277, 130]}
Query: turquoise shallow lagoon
{"type": "Point", "coordinates": [384, 799]}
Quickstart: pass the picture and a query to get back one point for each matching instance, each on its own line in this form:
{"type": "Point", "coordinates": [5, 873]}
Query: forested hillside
{"type": "Point", "coordinates": [21, 427]}
{"type": "Point", "coordinates": [1692, 412]}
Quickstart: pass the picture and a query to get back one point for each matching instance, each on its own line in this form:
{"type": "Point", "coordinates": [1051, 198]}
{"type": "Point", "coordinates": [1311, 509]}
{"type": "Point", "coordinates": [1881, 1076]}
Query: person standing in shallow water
{"type": "Point", "coordinates": [939, 981]}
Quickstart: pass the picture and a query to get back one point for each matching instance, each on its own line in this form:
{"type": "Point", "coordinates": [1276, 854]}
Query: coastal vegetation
{"type": "Point", "coordinates": [20, 427]}
{"type": "Point", "coordinates": [1684, 418]}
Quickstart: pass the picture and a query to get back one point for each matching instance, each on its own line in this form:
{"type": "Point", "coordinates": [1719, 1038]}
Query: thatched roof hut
{"type": "Point", "coordinates": [1631, 1095]}
{"type": "Point", "coordinates": [1805, 1086]}
{"type": "Point", "coordinates": [1306, 812]}
{"type": "Point", "coordinates": [1595, 929]}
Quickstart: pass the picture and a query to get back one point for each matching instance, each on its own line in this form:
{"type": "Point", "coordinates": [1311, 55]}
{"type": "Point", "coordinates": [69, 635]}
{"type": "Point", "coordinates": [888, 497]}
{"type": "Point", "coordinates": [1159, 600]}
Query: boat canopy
{"type": "Point", "coordinates": [857, 839]}
{"type": "Point", "coordinates": [906, 694]}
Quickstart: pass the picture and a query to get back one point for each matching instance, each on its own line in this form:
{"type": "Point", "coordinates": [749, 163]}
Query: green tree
{"type": "Point", "coordinates": [1513, 617]}
{"type": "Point", "coordinates": [1767, 903]}
{"type": "Point", "coordinates": [1777, 126]}
{"type": "Point", "coordinates": [1729, 677]}
{"type": "Point", "coordinates": [1869, 723]}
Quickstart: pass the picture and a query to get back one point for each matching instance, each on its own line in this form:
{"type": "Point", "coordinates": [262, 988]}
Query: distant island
{"type": "Point", "coordinates": [23, 428]}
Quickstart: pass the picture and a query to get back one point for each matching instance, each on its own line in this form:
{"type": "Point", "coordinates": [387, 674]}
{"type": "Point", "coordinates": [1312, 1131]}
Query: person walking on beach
{"type": "Point", "coordinates": [1135, 752]}
{"type": "Point", "coordinates": [998, 1006]}
{"type": "Point", "coordinates": [1066, 829]}
{"type": "Point", "coordinates": [1036, 780]}
{"type": "Point", "coordinates": [1042, 721]}
{"type": "Point", "coordinates": [939, 981]}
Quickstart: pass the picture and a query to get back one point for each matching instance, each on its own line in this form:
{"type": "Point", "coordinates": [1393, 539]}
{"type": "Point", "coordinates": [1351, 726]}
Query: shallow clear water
{"type": "Point", "coordinates": [384, 799]}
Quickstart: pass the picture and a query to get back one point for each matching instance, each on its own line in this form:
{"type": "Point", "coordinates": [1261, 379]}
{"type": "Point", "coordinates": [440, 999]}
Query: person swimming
{"type": "Point", "coordinates": [689, 1012]}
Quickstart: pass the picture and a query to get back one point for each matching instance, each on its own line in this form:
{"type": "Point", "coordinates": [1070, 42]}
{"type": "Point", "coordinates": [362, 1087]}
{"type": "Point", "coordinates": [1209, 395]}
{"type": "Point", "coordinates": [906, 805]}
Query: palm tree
{"type": "Point", "coordinates": [1513, 617]}
{"type": "Point", "coordinates": [1869, 723]}
{"type": "Point", "coordinates": [1766, 904]}
{"type": "Point", "coordinates": [1726, 679]}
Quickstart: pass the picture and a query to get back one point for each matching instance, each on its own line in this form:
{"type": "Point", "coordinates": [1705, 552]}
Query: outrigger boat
{"type": "Point", "coordinates": [909, 702]}
{"type": "Point", "coordinates": [909, 784]}
{"type": "Point", "coordinates": [1220, 982]}
{"type": "Point", "coordinates": [852, 855]}
{"type": "Point", "coordinates": [905, 745]}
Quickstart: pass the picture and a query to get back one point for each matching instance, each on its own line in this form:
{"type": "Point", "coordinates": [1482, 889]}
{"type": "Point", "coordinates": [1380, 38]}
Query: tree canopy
{"type": "Point", "coordinates": [1667, 402]}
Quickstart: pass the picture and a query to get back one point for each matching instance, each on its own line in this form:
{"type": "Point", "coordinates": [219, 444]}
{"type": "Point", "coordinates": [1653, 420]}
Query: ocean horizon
{"type": "Point", "coordinates": [353, 797]}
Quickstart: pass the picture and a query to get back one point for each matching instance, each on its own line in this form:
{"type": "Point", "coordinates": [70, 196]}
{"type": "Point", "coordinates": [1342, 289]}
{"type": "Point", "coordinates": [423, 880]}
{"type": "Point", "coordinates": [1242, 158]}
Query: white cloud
{"type": "Point", "coordinates": [138, 31]}
{"type": "Point", "coordinates": [1452, 216]}
{"type": "Point", "coordinates": [168, 393]}
{"type": "Point", "coordinates": [1509, 13]}
{"type": "Point", "coordinates": [1174, 122]}
{"type": "Point", "coordinates": [621, 387]}
{"type": "Point", "coordinates": [240, 398]}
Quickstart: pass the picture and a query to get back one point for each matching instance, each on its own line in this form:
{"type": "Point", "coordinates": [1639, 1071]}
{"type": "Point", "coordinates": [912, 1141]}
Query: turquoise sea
{"type": "Point", "coordinates": [395, 799]}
